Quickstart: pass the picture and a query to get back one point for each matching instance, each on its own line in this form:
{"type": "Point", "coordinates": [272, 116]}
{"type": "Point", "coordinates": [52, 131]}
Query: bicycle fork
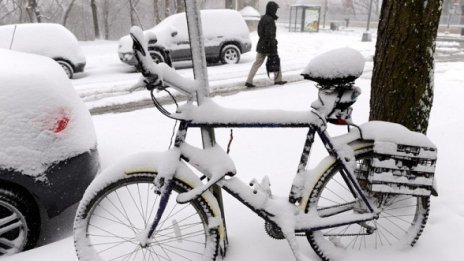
{"type": "Point", "coordinates": [164, 187]}
{"type": "Point", "coordinates": [165, 193]}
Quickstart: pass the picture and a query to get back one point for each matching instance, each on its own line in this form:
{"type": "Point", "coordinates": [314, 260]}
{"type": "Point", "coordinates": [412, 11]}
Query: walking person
{"type": "Point", "coordinates": [267, 44]}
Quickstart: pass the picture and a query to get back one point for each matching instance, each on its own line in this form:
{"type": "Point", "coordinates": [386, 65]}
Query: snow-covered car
{"type": "Point", "coordinates": [225, 32]}
{"type": "Point", "coordinates": [47, 39]}
{"type": "Point", "coordinates": [48, 148]}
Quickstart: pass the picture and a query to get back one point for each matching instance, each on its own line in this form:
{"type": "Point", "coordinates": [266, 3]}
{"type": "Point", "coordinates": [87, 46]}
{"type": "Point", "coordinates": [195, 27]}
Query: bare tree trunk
{"type": "Point", "coordinates": [166, 8]}
{"type": "Point", "coordinates": [229, 4]}
{"type": "Point", "coordinates": [156, 16]}
{"type": "Point", "coordinates": [133, 13]}
{"type": "Point", "coordinates": [462, 16]}
{"type": "Point", "coordinates": [106, 18]}
{"type": "Point", "coordinates": [21, 11]}
{"type": "Point", "coordinates": [5, 12]}
{"type": "Point", "coordinates": [66, 12]}
{"type": "Point", "coordinates": [377, 6]}
{"type": "Point", "coordinates": [402, 80]}
{"type": "Point", "coordinates": [33, 11]}
{"type": "Point", "coordinates": [180, 6]}
{"type": "Point", "coordinates": [161, 9]}
{"type": "Point", "coordinates": [96, 27]}
{"type": "Point", "coordinates": [170, 8]}
{"type": "Point", "coordinates": [36, 10]}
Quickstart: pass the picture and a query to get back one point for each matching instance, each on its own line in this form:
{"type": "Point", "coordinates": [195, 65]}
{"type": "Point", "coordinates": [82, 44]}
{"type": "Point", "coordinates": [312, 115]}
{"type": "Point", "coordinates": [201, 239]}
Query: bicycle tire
{"type": "Point", "coordinates": [107, 226]}
{"type": "Point", "coordinates": [401, 222]}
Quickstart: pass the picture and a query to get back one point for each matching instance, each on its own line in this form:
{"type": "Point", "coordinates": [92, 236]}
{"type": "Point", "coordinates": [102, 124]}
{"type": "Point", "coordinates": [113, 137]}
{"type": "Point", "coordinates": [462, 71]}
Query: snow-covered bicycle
{"type": "Point", "coordinates": [372, 191]}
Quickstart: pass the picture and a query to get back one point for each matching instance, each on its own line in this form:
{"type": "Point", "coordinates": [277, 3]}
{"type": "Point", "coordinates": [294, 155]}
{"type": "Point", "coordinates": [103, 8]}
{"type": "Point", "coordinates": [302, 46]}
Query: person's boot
{"type": "Point", "coordinates": [280, 82]}
{"type": "Point", "coordinates": [249, 85]}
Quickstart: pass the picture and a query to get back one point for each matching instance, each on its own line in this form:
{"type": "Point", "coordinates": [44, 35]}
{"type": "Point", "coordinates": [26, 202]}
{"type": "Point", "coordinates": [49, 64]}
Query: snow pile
{"type": "Point", "coordinates": [249, 13]}
{"type": "Point", "coordinates": [386, 132]}
{"type": "Point", "coordinates": [42, 120]}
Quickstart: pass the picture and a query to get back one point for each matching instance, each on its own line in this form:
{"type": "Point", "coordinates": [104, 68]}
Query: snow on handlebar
{"type": "Point", "coordinates": [156, 74]}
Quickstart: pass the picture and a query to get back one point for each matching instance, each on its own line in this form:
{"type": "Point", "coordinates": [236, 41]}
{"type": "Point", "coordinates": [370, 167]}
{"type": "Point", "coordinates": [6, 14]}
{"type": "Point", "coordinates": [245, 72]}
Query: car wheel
{"type": "Point", "coordinates": [19, 222]}
{"type": "Point", "coordinates": [67, 68]}
{"type": "Point", "coordinates": [230, 54]}
{"type": "Point", "coordinates": [157, 57]}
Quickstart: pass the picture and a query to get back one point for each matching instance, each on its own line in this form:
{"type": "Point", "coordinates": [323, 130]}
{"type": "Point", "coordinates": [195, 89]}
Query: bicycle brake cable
{"type": "Point", "coordinates": [164, 111]}
{"type": "Point", "coordinates": [231, 137]}
{"type": "Point", "coordinates": [173, 134]}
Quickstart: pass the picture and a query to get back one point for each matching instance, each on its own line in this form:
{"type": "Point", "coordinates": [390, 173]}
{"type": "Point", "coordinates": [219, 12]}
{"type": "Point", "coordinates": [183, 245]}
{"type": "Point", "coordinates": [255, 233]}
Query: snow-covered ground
{"type": "Point", "coordinates": [273, 152]}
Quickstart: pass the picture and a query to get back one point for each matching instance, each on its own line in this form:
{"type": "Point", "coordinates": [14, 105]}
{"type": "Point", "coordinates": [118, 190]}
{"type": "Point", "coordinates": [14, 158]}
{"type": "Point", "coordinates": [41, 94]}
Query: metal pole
{"type": "Point", "coordinates": [197, 47]}
{"type": "Point", "coordinates": [462, 17]}
{"type": "Point", "coordinates": [369, 16]}
{"type": "Point", "coordinates": [367, 35]}
{"type": "Point", "coordinates": [325, 13]}
{"type": "Point", "coordinates": [290, 20]}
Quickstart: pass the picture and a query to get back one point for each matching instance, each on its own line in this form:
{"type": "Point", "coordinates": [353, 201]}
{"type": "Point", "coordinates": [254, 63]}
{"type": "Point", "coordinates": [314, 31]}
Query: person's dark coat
{"type": "Point", "coordinates": [267, 43]}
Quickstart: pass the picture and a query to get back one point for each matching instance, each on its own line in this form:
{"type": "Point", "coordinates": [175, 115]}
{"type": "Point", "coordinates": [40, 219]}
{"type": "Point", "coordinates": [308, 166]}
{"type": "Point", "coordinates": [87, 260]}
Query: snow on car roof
{"type": "Point", "coordinates": [42, 119]}
{"type": "Point", "coordinates": [215, 22]}
{"type": "Point", "coordinates": [48, 39]}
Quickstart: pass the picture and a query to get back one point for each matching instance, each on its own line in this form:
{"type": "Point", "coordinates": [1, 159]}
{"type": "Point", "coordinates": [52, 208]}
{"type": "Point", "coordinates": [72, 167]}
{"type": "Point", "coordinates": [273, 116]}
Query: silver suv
{"type": "Point", "coordinates": [225, 32]}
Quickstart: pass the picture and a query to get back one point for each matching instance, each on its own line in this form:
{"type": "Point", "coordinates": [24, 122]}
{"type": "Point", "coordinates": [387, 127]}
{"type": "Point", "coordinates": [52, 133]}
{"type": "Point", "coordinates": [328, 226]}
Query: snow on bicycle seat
{"type": "Point", "coordinates": [339, 66]}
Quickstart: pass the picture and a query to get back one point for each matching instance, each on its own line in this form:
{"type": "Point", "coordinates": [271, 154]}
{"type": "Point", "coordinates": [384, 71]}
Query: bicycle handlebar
{"type": "Point", "coordinates": [156, 74]}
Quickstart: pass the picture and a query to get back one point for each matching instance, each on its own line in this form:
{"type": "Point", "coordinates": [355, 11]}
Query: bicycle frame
{"type": "Point", "coordinates": [257, 200]}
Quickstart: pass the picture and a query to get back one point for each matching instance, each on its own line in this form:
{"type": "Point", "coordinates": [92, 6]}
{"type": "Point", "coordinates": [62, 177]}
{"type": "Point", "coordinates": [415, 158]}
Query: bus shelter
{"type": "Point", "coordinates": [304, 18]}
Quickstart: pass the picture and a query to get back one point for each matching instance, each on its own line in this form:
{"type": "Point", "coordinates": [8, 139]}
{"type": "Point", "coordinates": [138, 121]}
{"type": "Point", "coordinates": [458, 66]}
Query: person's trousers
{"type": "Point", "coordinates": [260, 57]}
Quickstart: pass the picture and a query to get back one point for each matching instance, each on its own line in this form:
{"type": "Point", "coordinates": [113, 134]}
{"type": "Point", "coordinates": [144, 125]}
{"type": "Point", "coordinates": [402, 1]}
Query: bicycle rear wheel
{"type": "Point", "coordinates": [401, 222]}
{"type": "Point", "coordinates": [110, 225]}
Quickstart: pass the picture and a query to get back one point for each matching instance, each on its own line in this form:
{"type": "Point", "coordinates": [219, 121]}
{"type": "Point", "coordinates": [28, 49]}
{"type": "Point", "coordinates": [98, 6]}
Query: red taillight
{"type": "Point", "coordinates": [59, 121]}
{"type": "Point", "coordinates": [61, 124]}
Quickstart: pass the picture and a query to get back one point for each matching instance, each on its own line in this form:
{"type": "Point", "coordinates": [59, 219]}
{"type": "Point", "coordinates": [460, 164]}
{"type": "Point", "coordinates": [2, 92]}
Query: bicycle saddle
{"type": "Point", "coordinates": [337, 67]}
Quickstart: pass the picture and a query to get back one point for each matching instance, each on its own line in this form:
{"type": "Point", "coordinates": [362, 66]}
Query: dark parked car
{"type": "Point", "coordinates": [225, 32]}
{"type": "Point", "coordinates": [48, 152]}
{"type": "Point", "coordinates": [47, 39]}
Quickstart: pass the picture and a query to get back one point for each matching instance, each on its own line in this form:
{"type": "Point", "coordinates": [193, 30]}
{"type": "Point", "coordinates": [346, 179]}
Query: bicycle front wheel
{"type": "Point", "coordinates": [111, 224]}
{"type": "Point", "coordinates": [401, 222]}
